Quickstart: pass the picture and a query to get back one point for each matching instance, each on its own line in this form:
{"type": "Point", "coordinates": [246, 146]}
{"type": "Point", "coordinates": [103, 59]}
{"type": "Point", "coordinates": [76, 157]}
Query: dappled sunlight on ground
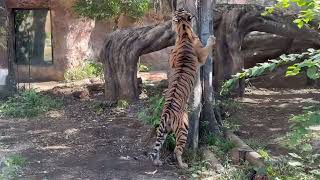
{"type": "Point", "coordinates": [82, 142]}
{"type": "Point", "coordinates": [265, 113]}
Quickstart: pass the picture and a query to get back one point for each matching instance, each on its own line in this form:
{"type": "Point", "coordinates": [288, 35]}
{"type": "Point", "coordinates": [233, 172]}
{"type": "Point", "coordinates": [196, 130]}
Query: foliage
{"type": "Point", "coordinates": [10, 166]}
{"type": "Point", "coordinates": [218, 145]}
{"type": "Point", "coordinates": [236, 172]}
{"type": "Point", "coordinates": [301, 162]}
{"type": "Point", "coordinates": [107, 9]}
{"type": "Point", "coordinates": [309, 10]}
{"type": "Point", "coordinates": [309, 61]}
{"type": "Point", "coordinates": [152, 116]}
{"type": "Point", "coordinates": [292, 166]}
{"type": "Point", "coordinates": [122, 104]}
{"type": "Point", "coordinates": [28, 104]}
{"type": "Point", "coordinates": [300, 129]}
{"type": "Point", "coordinates": [221, 147]}
{"type": "Point", "coordinates": [143, 68]}
{"type": "Point", "coordinates": [89, 69]}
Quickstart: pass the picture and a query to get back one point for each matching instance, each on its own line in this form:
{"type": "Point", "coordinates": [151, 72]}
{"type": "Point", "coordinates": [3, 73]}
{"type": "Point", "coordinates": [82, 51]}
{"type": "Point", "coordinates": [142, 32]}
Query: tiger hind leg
{"type": "Point", "coordinates": [181, 140]}
{"type": "Point", "coordinates": [161, 137]}
{"type": "Point", "coordinates": [180, 144]}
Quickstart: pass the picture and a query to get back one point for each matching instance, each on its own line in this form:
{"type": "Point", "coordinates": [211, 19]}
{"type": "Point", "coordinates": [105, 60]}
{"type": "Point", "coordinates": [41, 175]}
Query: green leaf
{"type": "Point", "coordinates": [295, 155]}
{"type": "Point", "coordinates": [312, 73]}
{"type": "Point", "coordinates": [306, 147]}
{"type": "Point", "coordinates": [295, 163]}
{"type": "Point", "coordinates": [315, 172]}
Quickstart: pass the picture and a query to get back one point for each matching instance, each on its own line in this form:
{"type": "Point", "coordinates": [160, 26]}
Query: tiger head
{"type": "Point", "coordinates": [181, 21]}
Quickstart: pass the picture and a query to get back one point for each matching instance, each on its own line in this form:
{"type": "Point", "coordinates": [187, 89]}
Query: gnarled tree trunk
{"type": "Point", "coordinates": [121, 52]}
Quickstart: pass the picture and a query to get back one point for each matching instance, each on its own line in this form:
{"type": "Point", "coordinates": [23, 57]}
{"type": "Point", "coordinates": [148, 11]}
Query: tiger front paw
{"type": "Point", "coordinates": [211, 42]}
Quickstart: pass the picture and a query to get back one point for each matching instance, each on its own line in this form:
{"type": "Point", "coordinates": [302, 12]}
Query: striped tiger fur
{"type": "Point", "coordinates": [185, 59]}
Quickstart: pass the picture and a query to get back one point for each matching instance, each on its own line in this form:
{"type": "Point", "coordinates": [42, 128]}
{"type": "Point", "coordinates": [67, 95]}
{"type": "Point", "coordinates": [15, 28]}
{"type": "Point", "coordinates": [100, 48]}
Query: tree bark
{"type": "Point", "coordinates": [6, 50]}
{"type": "Point", "coordinates": [206, 29]}
{"type": "Point", "coordinates": [120, 55]}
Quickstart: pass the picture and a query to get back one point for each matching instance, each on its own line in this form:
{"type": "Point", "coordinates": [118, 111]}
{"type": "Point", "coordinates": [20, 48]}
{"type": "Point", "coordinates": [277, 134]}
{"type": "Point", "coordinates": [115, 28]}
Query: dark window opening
{"type": "Point", "coordinates": [33, 36]}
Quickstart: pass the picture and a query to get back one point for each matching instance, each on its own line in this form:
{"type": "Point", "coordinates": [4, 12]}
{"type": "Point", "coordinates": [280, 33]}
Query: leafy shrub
{"type": "Point", "coordinates": [143, 68]}
{"type": "Point", "coordinates": [301, 162]}
{"type": "Point", "coordinates": [218, 145]}
{"type": "Point", "coordinates": [292, 166]}
{"type": "Point", "coordinates": [107, 9]}
{"type": "Point", "coordinates": [10, 166]}
{"type": "Point", "coordinates": [122, 104]}
{"type": "Point", "coordinates": [152, 115]}
{"type": "Point", "coordinates": [300, 134]}
{"type": "Point", "coordinates": [89, 69]}
{"type": "Point", "coordinates": [28, 104]}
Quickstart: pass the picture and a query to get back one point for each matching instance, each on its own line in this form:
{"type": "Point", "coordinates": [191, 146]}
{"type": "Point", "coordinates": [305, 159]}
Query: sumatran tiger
{"type": "Point", "coordinates": [185, 59]}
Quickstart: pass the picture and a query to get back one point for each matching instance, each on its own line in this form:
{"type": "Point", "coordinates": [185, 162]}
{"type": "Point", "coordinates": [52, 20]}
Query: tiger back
{"type": "Point", "coordinates": [186, 57]}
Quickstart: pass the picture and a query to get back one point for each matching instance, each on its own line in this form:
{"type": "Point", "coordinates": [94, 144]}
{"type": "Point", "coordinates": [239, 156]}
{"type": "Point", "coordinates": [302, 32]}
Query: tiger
{"type": "Point", "coordinates": [185, 59]}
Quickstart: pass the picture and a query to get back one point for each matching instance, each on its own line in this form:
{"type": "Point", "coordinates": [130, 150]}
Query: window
{"type": "Point", "coordinates": [33, 36]}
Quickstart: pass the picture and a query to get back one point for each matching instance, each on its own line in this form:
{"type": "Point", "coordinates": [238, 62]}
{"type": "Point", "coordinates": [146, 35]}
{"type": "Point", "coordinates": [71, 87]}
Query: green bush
{"type": "Point", "coordinates": [143, 68]}
{"type": "Point", "coordinates": [122, 104]}
{"type": "Point", "coordinates": [301, 162]}
{"type": "Point", "coordinates": [152, 115]}
{"type": "Point", "coordinates": [10, 166]}
{"type": "Point", "coordinates": [28, 104]}
{"type": "Point", "coordinates": [89, 69]}
{"type": "Point", "coordinates": [300, 133]}
{"type": "Point", "coordinates": [107, 9]}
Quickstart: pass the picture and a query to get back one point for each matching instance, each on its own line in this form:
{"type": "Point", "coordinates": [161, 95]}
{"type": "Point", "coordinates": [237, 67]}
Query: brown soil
{"type": "Point", "coordinates": [79, 142]}
{"type": "Point", "coordinates": [263, 114]}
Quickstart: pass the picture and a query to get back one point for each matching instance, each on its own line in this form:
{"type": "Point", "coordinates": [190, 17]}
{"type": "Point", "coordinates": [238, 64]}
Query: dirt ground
{"type": "Point", "coordinates": [78, 143]}
{"type": "Point", "coordinates": [263, 115]}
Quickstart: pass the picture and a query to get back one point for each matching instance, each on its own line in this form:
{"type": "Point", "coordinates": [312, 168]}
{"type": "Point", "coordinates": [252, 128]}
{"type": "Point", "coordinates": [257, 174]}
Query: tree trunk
{"type": "Point", "coordinates": [207, 114]}
{"type": "Point", "coordinates": [120, 55]}
{"type": "Point", "coordinates": [6, 46]}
